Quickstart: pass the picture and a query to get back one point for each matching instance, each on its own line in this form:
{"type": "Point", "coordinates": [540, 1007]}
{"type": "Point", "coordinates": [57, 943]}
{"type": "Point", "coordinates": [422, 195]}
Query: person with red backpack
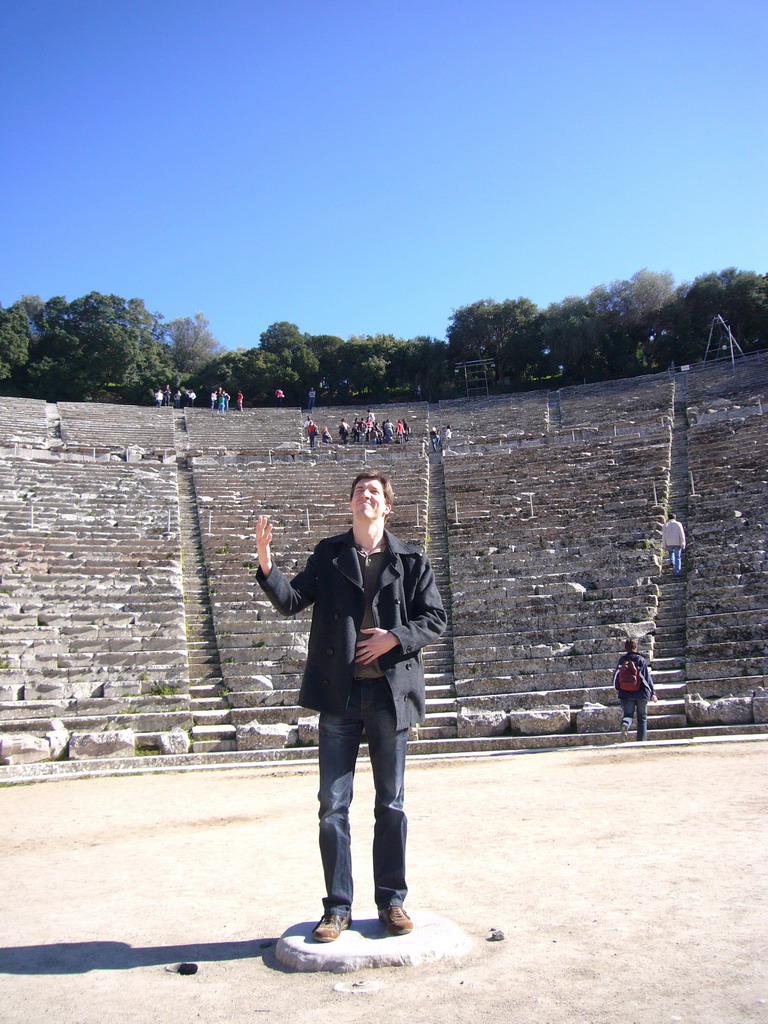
{"type": "Point", "coordinates": [633, 680]}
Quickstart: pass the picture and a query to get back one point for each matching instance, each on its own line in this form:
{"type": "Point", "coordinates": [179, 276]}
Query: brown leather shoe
{"type": "Point", "coordinates": [330, 927]}
{"type": "Point", "coordinates": [395, 920]}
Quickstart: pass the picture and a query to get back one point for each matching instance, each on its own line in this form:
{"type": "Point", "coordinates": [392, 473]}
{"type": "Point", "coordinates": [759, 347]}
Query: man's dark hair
{"type": "Point", "coordinates": [630, 645]}
{"type": "Point", "coordinates": [383, 479]}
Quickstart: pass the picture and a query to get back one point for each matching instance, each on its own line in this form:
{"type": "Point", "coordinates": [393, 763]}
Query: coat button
{"type": "Point", "coordinates": [336, 617]}
{"type": "Point", "coordinates": [325, 682]}
{"type": "Point", "coordinates": [329, 650]}
{"type": "Point", "coordinates": [408, 668]}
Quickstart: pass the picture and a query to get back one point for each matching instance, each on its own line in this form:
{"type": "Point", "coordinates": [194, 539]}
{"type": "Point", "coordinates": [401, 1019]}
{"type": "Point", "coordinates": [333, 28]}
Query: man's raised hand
{"type": "Point", "coordinates": [263, 542]}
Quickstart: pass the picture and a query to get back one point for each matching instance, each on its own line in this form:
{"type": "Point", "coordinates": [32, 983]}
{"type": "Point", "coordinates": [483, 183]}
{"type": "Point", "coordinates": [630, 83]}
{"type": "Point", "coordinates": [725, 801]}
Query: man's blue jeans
{"type": "Point", "coordinates": [370, 708]}
{"type": "Point", "coordinates": [676, 558]}
{"type": "Point", "coordinates": [629, 705]}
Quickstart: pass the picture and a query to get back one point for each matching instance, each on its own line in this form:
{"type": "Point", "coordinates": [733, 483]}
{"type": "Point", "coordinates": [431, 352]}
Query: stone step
{"type": "Point", "coordinates": [495, 744]}
{"type": "Point", "coordinates": [213, 746]}
{"type": "Point", "coordinates": [441, 717]}
{"type": "Point", "coordinates": [141, 722]}
{"type": "Point", "coordinates": [671, 695]}
{"type": "Point", "coordinates": [418, 748]}
{"type": "Point", "coordinates": [674, 675]}
{"type": "Point", "coordinates": [441, 705]}
{"type": "Point", "coordinates": [212, 717]}
{"type": "Point", "coordinates": [210, 692]}
{"type": "Point", "coordinates": [213, 733]}
{"type": "Point", "coordinates": [441, 692]}
{"type": "Point", "coordinates": [198, 662]}
{"type": "Point", "coordinates": [665, 721]}
{"type": "Point", "coordinates": [436, 732]}
{"type": "Point", "coordinates": [216, 703]}
{"type": "Point", "coordinates": [737, 686]}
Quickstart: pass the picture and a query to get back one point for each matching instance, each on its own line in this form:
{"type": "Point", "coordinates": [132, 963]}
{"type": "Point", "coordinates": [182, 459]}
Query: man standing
{"type": "Point", "coordinates": [673, 537]}
{"type": "Point", "coordinates": [376, 607]}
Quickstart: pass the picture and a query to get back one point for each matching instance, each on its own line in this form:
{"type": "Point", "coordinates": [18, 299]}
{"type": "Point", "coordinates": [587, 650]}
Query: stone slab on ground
{"type": "Point", "coordinates": [366, 944]}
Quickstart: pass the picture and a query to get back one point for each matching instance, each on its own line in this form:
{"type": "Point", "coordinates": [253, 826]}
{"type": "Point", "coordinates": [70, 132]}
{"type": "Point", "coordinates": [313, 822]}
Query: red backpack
{"type": "Point", "coordinates": [629, 676]}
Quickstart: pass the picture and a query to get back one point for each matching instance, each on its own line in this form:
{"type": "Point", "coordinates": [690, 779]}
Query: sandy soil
{"type": "Point", "coordinates": [631, 885]}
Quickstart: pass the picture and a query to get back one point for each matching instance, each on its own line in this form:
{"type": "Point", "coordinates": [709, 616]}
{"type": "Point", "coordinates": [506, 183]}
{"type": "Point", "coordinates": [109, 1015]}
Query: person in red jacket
{"type": "Point", "coordinates": [634, 683]}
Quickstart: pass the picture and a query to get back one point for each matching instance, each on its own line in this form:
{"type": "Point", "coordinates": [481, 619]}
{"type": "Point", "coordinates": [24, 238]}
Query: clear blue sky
{"type": "Point", "coordinates": [366, 167]}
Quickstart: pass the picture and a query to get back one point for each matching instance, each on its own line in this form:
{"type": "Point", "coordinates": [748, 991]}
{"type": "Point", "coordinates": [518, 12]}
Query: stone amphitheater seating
{"type": "Point", "coordinates": [258, 431]}
{"type": "Point", "coordinates": [553, 533]}
{"type": "Point", "coordinates": [23, 421]}
{"type": "Point", "coordinates": [553, 551]}
{"type": "Point", "coordinates": [728, 564]}
{"type": "Point", "coordinates": [91, 603]}
{"type": "Point", "coordinates": [417, 414]}
{"type": "Point", "coordinates": [253, 430]}
{"type": "Point", "coordinates": [741, 381]}
{"type": "Point", "coordinates": [114, 427]}
{"type": "Point", "coordinates": [623, 403]}
{"type": "Point", "coordinates": [261, 652]}
{"type": "Point", "coordinates": [495, 418]}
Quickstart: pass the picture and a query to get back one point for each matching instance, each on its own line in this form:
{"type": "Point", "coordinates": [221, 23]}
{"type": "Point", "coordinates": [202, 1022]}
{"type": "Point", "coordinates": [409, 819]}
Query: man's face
{"type": "Point", "coordinates": [368, 501]}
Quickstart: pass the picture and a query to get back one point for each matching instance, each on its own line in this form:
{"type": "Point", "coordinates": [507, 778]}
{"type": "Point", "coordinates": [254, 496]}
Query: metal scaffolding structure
{"type": "Point", "coordinates": [721, 338]}
{"type": "Point", "coordinates": [474, 376]}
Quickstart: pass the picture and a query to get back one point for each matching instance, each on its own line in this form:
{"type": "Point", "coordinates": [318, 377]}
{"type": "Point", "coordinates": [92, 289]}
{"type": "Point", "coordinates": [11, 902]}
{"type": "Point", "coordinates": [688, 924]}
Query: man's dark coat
{"type": "Point", "coordinates": [407, 604]}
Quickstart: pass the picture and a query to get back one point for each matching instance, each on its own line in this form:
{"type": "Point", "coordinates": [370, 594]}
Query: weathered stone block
{"type": "Point", "coordinates": [57, 738]}
{"type": "Point", "coordinates": [174, 742]}
{"type": "Point", "coordinates": [598, 718]}
{"type": "Point", "coordinates": [255, 736]}
{"type": "Point", "coordinates": [260, 682]}
{"type": "Point", "coordinates": [62, 690]}
{"type": "Point", "coordinates": [86, 745]}
{"type": "Point", "coordinates": [725, 711]}
{"type": "Point", "coordinates": [123, 688]}
{"type": "Point", "coordinates": [481, 723]}
{"type": "Point", "coordinates": [309, 730]}
{"type": "Point", "coordinates": [541, 721]}
{"type": "Point", "coordinates": [23, 748]}
{"type": "Point", "coordinates": [760, 706]}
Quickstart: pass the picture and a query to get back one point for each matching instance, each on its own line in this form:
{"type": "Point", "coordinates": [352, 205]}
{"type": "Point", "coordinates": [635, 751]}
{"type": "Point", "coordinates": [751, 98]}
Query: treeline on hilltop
{"type": "Point", "coordinates": [105, 348]}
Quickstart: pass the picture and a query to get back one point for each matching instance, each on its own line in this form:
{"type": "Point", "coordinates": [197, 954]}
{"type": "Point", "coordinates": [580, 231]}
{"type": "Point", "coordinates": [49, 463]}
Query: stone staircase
{"type": "Point", "coordinates": [438, 657]}
{"type": "Point", "coordinates": [668, 665]}
{"type": "Point", "coordinates": [212, 728]}
{"type": "Point", "coordinates": [554, 412]}
{"type": "Point", "coordinates": [679, 479]}
{"type": "Point", "coordinates": [53, 423]}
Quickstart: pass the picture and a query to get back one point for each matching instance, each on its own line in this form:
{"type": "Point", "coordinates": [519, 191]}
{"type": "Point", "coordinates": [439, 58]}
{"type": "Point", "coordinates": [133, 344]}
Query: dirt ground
{"type": "Point", "coordinates": [630, 883]}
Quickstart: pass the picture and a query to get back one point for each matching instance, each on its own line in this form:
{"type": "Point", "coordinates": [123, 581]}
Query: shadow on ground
{"type": "Point", "coordinates": [81, 957]}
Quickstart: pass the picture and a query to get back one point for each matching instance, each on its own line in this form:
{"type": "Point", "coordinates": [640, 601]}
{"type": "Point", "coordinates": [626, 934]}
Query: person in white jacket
{"type": "Point", "coordinates": [673, 538]}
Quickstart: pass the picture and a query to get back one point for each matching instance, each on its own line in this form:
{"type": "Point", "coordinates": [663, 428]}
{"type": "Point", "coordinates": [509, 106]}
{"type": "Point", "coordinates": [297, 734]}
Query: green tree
{"type": "Point", "coordinates": [631, 314]}
{"type": "Point", "coordinates": [329, 351]}
{"type": "Point", "coordinates": [427, 364]}
{"type": "Point", "coordinates": [253, 371]}
{"type": "Point", "coordinates": [571, 335]}
{"type": "Point", "coordinates": [739, 297]}
{"type": "Point", "coordinates": [191, 343]}
{"type": "Point", "coordinates": [299, 367]}
{"type": "Point", "coordinates": [94, 343]}
{"type": "Point", "coordinates": [502, 331]}
{"type": "Point", "coordinates": [14, 339]}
